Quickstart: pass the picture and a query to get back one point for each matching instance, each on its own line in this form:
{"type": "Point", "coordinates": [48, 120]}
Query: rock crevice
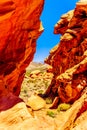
{"type": "Point", "coordinates": [70, 56]}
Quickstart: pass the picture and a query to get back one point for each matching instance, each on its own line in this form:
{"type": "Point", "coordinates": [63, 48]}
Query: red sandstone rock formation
{"type": "Point", "coordinates": [20, 27]}
{"type": "Point", "coordinates": [69, 58]}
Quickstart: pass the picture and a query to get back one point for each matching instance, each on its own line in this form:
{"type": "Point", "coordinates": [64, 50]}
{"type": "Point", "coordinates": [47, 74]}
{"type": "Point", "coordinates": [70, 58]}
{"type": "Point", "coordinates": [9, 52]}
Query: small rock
{"type": "Point", "coordinates": [36, 102]}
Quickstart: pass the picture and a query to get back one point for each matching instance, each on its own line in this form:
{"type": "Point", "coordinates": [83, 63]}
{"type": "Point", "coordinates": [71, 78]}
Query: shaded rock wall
{"type": "Point", "coordinates": [69, 58]}
{"type": "Point", "coordinates": [20, 27]}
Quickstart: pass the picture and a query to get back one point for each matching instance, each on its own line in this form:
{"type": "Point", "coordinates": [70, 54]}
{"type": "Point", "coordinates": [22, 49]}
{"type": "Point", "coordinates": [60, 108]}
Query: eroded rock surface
{"type": "Point", "coordinates": [22, 118]}
{"type": "Point", "coordinates": [20, 27]}
{"type": "Point", "coordinates": [69, 58]}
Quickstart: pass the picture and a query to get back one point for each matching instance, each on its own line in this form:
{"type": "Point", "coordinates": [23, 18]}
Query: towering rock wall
{"type": "Point", "coordinates": [69, 58]}
{"type": "Point", "coordinates": [20, 27]}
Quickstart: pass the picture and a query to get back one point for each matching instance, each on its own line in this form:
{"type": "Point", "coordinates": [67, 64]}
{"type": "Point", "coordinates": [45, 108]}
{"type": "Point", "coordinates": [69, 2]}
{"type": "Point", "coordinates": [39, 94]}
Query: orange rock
{"type": "Point", "coordinates": [70, 56]}
{"type": "Point", "coordinates": [20, 27]}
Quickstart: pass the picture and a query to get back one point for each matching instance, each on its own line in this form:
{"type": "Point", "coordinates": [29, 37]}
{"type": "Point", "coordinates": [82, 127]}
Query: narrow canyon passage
{"type": "Point", "coordinates": [62, 80]}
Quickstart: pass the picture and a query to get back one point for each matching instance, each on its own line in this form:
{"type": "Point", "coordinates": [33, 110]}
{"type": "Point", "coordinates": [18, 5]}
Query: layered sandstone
{"type": "Point", "coordinates": [20, 27]}
{"type": "Point", "coordinates": [69, 58]}
{"type": "Point", "coordinates": [22, 118]}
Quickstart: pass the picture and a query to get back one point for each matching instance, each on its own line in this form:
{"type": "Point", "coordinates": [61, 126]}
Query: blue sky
{"type": "Point", "coordinates": [53, 9]}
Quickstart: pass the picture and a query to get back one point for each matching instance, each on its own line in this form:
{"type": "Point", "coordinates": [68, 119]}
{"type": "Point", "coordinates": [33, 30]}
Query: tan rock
{"type": "Point", "coordinates": [14, 117]}
{"type": "Point", "coordinates": [62, 24]}
{"type": "Point", "coordinates": [36, 102]}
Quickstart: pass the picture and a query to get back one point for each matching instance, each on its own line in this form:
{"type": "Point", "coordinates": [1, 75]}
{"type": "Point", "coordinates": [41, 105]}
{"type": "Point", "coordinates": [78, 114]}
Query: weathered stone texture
{"type": "Point", "coordinates": [20, 27]}
{"type": "Point", "coordinates": [69, 58]}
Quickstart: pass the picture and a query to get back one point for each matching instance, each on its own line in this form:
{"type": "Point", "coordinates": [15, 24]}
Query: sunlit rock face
{"type": "Point", "coordinates": [20, 27]}
{"type": "Point", "coordinates": [69, 57]}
